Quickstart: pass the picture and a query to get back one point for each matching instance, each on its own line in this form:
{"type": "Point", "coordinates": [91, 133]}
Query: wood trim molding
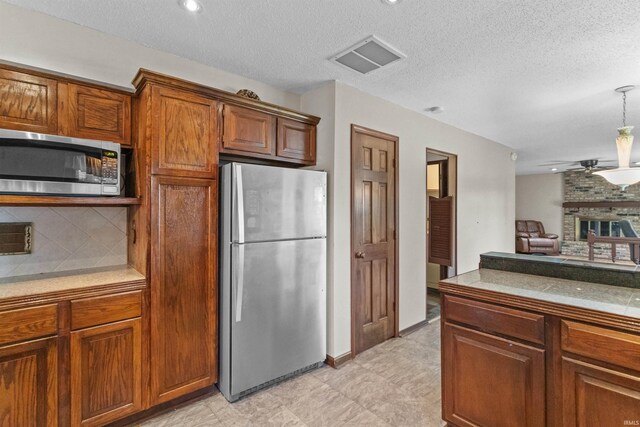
{"type": "Point", "coordinates": [336, 362]}
{"type": "Point", "coordinates": [145, 76]}
{"type": "Point", "coordinates": [62, 77]}
{"type": "Point", "coordinates": [414, 328]}
{"type": "Point", "coordinates": [53, 297]}
{"type": "Point", "coordinates": [545, 307]}
{"type": "Point", "coordinates": [612, 204]}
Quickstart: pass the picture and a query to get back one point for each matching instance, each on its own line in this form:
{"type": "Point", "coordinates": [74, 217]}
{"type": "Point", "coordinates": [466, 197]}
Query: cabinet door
{"type": "Point", "coordinates": [183, 286]}
{"type": "Point", "coordinates": [105, 373]}
{"type": "Point", "coordinates": [184, 134]}
{"type": "Point", "coordinates": [28, 383]}
{"type": "Point", "coordinates": [490, 381]}
{"type": "Point", "coordinates": [98, 114]}
{"type": "Point", "coordinates": [296, 141]}
{"type": "Point", "coordinates": [595, 396]}
{"type": "Point", "coordinates": [248, 131]}
{"type": "Point", "coordinates": [28, 102]}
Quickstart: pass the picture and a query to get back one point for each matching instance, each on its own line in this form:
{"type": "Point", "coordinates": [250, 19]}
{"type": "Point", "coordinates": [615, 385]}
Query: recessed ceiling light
{"type": "Point", "coordinates": [435, 110]}
{"type": "Point", "coordinates": [391, 1]}
{"type": "Point", "coordinates": [190, 5]}
{"type": "Point", "coordinates": [637, 163]}
{"type": "Point", "coordinates": [554, 169]}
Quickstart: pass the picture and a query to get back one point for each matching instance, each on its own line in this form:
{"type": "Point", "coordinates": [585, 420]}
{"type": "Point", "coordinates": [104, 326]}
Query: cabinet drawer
{"type": "Point", "coordinates": [618, 348]}
{"type": "Point", "coordinates": [28, 323]}
{"type": "Point", "coordinates": [105, 309]}
{"type": "Point", "coordinates": [497, 319]}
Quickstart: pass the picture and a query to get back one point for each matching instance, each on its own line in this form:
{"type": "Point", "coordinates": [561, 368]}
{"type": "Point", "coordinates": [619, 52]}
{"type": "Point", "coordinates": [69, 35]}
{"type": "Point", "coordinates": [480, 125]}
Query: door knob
{"type": "Point", "coordinates": [359, 254]}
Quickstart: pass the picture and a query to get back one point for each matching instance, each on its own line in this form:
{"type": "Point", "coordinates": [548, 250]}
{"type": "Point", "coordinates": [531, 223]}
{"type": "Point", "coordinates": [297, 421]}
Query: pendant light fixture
{"type": "Point", "coordinates": [623, 175]}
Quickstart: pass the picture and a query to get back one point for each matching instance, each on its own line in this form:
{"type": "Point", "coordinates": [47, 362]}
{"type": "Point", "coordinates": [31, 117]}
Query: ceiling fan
{"type": "Point", "coordinates": [587, 165]}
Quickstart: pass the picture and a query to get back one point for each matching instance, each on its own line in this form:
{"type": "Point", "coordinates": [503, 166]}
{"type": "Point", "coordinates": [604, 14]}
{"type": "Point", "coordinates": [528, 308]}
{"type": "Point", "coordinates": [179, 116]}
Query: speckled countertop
{"type": "Point", "coordinates": [592, 296]}
{"type": "Point", "coordinates": [26, 286]}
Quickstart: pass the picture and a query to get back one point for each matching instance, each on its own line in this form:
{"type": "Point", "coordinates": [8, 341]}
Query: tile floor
{"type": "Point", "coordinates": [394, 384]}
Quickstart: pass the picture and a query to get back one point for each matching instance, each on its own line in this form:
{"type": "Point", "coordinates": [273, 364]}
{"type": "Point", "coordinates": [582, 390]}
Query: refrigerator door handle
{"type": "Point", "coordinates": [239, 202]}
{"type": "Point", "coordinates": [239, 280]}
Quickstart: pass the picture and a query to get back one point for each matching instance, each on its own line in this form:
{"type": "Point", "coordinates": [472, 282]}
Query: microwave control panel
{"type": "Point", "coordinates": [109, 167]}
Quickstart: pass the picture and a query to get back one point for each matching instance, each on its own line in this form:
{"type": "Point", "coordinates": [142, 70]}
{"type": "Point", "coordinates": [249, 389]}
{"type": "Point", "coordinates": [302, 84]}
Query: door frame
{"type": "Point", "coordinates": [357, 129]}
{"type": "Point", "coordinates": [452, 192]}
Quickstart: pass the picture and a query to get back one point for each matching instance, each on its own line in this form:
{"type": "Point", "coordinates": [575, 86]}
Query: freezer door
{"type": "Point", "coordinates": [271, 203]}
{"type": "Point", "coordinates": [278, 310]}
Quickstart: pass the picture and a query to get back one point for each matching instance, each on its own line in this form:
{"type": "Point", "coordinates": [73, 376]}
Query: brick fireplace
{"type": "Point", "coordinates": [583, 188]}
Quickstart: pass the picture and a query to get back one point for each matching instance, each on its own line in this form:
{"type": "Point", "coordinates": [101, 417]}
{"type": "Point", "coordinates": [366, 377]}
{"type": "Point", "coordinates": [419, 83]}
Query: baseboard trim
{"type": "Point", "coordinates": [336, 362]}
{"type": "Point", "coordinates": [412, 329]}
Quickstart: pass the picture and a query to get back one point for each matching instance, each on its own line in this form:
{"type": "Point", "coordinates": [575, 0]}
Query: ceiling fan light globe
{"type": "Point", "coordinates": [622, 177]}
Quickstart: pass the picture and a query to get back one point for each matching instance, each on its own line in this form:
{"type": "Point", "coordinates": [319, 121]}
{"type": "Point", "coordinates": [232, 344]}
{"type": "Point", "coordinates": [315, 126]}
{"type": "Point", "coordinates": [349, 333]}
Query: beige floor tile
{"type": "Point", "coordinates": [396, 383]}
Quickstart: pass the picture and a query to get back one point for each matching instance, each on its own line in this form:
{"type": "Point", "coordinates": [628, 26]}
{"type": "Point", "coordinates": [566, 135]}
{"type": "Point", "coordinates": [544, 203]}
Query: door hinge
{"type": "Point", "coordinates": [393, 163]}
{"type": "Point", "coordinates": [394, 235]}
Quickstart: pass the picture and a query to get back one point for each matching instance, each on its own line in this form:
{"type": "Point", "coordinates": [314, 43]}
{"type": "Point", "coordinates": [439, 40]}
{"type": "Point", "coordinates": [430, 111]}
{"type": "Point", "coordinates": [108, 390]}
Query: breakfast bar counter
{"type": "Point", "coordinates": [534, 350]}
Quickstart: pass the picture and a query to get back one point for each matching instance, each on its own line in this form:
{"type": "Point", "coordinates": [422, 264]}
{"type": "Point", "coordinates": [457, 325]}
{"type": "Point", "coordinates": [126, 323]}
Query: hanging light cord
{"type": "Point", "coordinates": [624, 109]}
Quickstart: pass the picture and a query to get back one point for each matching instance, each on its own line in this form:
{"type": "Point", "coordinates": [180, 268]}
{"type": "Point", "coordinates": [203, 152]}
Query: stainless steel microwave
{"type": "Point", "coordinates": [34, 163]}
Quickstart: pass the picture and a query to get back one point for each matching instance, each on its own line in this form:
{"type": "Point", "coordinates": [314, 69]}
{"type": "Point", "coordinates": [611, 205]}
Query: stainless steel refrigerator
{"type": "Point", "coordinates": [272, 275]}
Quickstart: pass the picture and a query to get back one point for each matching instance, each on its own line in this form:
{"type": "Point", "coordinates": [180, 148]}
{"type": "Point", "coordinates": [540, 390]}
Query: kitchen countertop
{"type": "Point", "coordinates": [48, 283]}
{"type": "Point", "coordinates": [591, 296]}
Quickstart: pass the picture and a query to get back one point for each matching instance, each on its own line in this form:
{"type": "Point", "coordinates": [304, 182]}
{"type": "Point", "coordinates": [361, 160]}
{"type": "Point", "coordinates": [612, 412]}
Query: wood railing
{"type": "Point", "coordinates": [593, 239]}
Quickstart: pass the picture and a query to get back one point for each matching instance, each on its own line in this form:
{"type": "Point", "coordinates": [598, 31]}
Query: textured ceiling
{"type": "Point", "coordinates": [535, 75]}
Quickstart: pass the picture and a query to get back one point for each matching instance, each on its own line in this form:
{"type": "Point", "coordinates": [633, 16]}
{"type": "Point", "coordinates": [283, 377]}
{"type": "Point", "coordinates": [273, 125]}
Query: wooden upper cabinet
{"type": "Point", "coordinates": [491, 381]}
{"type": "Point", "coordinates": [106, 380]}
{"type": "Point", "coordinates": [28, 384]}
{"type": "Point", "coordinates": [97, 114]}
{"type": "Point", "coordinates": [184, 134]}
{"type": "Point", "coordinates": [28, 102]}
{"type": "Point", "coordinates": [183, 286]}
{"type": "Point", "coordinates": [296, 140]}
{"type": "Point", "coordinates": [247, 130]}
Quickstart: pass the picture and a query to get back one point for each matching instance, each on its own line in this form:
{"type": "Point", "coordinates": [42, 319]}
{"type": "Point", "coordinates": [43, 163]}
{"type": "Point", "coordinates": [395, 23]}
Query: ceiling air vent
{"type": "Point", "coordinates": [368, 55]}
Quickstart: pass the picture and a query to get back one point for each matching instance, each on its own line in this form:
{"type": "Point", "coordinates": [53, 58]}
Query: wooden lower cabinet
{"type": "Point", "coordinates": [492, 381]}
{"type": "Point", "coordinates": [28, 384]}
{"type": "Point", "coordinates": [595, 396]}
{"type": "Point", "coordinates": [500, 368]}
{"type": "Point", "coordinates": [106, 380]}
{"type": "Point", "coordinates": [183, 286]}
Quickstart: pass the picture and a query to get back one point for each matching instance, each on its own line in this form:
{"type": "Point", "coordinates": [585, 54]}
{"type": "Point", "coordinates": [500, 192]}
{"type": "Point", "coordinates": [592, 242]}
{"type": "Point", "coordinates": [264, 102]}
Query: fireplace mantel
{"type": "Point", "coordinates": [607, 204]}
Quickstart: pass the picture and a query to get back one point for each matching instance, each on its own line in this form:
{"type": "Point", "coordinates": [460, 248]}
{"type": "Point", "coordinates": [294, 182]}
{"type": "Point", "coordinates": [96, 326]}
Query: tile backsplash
{"type": "Point", "coordinates": [68, 238]}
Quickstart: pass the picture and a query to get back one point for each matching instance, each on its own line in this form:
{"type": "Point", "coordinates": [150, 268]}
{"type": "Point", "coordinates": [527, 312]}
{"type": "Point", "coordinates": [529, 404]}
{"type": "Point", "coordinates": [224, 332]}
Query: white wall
{"type": "Point", "coordinates": [39, 40]}
{"type": "Point", "coordinates": [486, 198]}
{"type": "Point", "coordinates": [540, 197]}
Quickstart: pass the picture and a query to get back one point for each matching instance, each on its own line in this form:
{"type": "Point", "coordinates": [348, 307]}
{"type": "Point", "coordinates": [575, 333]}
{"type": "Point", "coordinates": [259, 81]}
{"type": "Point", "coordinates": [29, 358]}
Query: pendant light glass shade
{"type": "Point", "coordinates": [623, 175]}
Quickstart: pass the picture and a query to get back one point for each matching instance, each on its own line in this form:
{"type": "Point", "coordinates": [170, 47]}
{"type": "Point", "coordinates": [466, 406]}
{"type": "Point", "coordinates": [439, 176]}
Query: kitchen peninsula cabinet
{"type": "Point", "coordinates": [517, 352]}
{"type": "Point", "coordinates": [34, 100]}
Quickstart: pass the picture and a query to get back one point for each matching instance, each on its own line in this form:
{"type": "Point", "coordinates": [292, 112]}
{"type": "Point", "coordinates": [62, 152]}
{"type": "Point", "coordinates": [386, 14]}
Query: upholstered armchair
{"type": "Point", "coordinates": [531, 238]}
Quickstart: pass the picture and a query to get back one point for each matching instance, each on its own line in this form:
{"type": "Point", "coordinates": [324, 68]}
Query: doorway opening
{"type": "Point", "coordinates": [374, 242]}
{"type": "Point", "coordinates": [442, 172]}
